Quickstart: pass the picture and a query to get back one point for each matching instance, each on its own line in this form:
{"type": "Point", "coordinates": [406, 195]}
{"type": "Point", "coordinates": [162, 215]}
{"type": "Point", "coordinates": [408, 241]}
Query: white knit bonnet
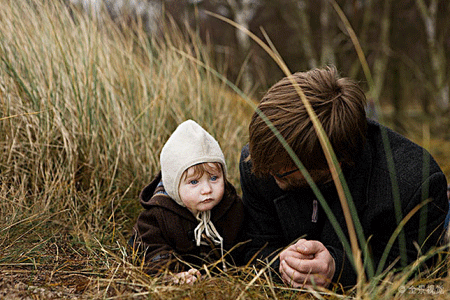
{"type": "Point", "coordinates": [188, 145]}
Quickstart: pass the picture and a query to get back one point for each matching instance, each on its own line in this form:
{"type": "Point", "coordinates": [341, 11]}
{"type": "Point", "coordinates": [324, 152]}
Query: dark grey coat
{"type": "Point", "coordinates": [278, 218]}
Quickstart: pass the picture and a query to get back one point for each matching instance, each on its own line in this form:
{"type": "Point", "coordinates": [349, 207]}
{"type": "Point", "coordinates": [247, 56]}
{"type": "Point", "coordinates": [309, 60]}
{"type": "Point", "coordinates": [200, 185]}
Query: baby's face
{"type": "Point", "coordinates": [202, 193]}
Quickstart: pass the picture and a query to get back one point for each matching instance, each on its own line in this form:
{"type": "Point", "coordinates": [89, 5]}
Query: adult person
{"type": "Point", "coordinates": [281, 207]}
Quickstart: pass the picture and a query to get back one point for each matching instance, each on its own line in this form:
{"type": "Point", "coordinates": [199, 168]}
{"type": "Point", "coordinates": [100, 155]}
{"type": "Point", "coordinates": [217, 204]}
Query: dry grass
{"type": "Point", "coordinates": [84, 111]}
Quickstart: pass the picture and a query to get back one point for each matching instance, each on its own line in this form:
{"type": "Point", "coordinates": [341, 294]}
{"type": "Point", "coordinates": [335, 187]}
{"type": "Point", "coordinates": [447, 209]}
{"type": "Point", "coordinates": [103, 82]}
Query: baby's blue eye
{"type": "Point", "coordinates": [193, 181]}
{"type": "Point", "coordinates": [214, 178]}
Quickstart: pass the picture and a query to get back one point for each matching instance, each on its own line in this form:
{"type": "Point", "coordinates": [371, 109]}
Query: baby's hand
{"type": "Point", "coordinates": [188, 277]}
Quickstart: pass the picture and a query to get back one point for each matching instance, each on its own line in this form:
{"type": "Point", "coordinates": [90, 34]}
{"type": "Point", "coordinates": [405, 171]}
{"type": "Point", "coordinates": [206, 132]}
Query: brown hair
{"type": "Point", "coordinates": [202, 168]}
{"type": "Point", "coordinates": [340, 107]}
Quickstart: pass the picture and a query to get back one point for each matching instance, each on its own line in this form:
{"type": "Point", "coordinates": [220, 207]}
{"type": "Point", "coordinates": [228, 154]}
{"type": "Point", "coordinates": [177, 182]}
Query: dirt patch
{"type": "Point", "coordinates": [17, 283]}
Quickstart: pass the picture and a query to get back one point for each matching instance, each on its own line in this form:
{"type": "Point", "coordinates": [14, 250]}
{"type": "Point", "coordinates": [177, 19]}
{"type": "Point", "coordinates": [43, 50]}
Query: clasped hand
{"type": "Point", "coordinates": [305, 262]}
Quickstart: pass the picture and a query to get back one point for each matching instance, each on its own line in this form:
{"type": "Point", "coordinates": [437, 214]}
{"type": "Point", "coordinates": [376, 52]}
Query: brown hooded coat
{"type": "Point", "coordinates": [164, 231]}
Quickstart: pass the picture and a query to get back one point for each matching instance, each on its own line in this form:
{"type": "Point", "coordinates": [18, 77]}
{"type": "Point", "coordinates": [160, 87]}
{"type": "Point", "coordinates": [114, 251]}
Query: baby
{"type": "Point", "coordinates": [192, 213]}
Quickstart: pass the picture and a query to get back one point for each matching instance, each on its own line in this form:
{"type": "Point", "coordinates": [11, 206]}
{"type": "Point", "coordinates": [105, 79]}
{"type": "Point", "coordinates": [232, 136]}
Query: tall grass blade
{"type": "Point", "coordinates": [388, 151]}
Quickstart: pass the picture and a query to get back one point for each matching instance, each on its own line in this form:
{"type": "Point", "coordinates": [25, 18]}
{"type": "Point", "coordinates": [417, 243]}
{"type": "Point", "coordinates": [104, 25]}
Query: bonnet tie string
{"type": "Point", "coordinates": [206, 226]}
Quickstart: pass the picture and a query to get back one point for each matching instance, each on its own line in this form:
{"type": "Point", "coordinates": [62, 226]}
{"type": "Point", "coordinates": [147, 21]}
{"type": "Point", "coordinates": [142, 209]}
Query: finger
{"type": "Point", "coordinates": [193, 271]}
{"type": "Point", "coordinates": [299, 255]}
{"type": "Point", "coordinates": [196, 273]}
{"type": "Point", "coordinates": [309, 247]}
{"type": "Point", "coordinates": [190, 279]}
{"type": "Point", "coordinates": [306, 266]}
{"type": "Point", "coordinates": [291, 276]}
{"type": "Point", "coordinates": [293, 252]}
{"type": "Point", "coordinates": [310, 266]}
{"type": "Point", "coordinates": [309, 272]}
{"type": "Point", "coordinates": [181, 278]}
{"type": "Point", "coordinates": [300, 242]}
{"type": "Point", "coordinates": [295, 278]}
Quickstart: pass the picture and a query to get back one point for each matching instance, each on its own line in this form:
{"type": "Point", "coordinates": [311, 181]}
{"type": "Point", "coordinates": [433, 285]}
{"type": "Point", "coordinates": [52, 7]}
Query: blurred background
{"type": "Point", "coordinates": [406, 43]}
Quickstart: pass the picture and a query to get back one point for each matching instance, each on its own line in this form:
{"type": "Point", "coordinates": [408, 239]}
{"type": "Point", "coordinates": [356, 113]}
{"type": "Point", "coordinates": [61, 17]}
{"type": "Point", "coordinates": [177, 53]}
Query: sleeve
{"type": "Point", "coordinates": [148, 241]}
{"type": "Point", "coordinates": [425, 229]}
{"type": "Point", "coordinates": [261, 227]}
{"type": "Point", "coordinates": [344, 274]}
